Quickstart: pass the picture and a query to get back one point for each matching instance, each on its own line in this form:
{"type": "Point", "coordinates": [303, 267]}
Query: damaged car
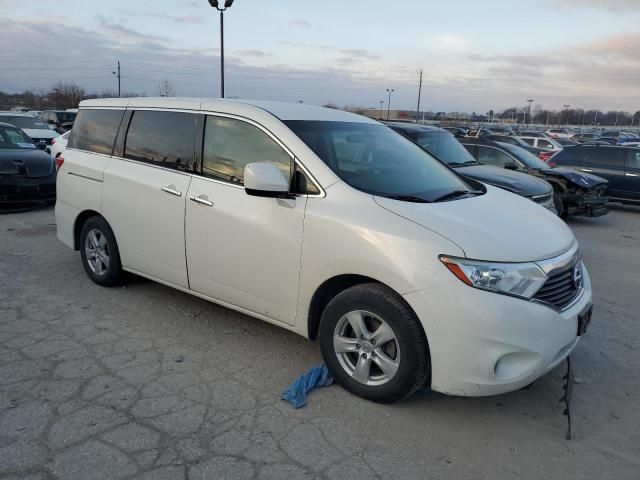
{"type": "Point", "coordinates": [444, 146]}
{"type": "Point", "coordinates": [27, 173]}
{"type": "Point", "coordinates": [575, 193]}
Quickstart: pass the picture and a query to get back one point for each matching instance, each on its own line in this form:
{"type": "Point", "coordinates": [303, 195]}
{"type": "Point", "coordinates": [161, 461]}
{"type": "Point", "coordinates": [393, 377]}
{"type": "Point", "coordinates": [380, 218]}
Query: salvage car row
{"type": "Point", "coordinates": [498, 157]}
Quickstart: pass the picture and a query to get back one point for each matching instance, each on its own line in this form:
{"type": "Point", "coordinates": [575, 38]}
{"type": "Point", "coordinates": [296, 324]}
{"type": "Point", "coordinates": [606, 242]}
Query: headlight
{"type": "Point", "coordinates": [518, 279]}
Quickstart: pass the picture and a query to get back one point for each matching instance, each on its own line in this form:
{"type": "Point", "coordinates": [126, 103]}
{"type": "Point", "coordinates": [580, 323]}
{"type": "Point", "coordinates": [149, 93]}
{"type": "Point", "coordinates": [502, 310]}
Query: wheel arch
{"type": "Point", "coordinates": [328, 290]}
{"type": "Point", "coordinates": [79, 223]}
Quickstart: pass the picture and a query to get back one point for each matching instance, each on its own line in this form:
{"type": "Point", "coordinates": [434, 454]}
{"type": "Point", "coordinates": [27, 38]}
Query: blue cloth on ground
{"type": "Point", "coordinates": [296, 393]}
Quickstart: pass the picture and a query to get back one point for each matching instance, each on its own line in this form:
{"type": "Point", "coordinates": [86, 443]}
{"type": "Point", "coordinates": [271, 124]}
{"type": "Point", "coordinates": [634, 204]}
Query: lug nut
{"type": "Point", "coordinates": [364, 355]}
{"type": "Point", "coordinates": [357, 345]}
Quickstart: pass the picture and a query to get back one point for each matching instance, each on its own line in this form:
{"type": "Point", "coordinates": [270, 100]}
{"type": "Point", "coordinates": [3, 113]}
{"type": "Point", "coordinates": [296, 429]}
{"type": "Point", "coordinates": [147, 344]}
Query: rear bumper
{"type": "Point", "coordinates": [483, 343]}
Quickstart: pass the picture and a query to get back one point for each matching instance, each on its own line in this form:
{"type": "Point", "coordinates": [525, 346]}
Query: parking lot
{"type": "Point", "coordinates": [145, 381]}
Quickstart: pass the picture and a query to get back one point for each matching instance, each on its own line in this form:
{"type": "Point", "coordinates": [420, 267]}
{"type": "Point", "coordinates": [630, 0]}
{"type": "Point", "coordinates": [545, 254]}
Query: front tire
{"type": "Point", "coordinates": [560, 206]}
{"type": "Point", "coordinates": [373, 343]}
{"type": "Point", "coordinates": [99, 252]}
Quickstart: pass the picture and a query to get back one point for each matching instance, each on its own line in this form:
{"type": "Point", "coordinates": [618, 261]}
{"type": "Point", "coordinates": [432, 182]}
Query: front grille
{"type": "Point", "coordinates": [542, 198]}
{"type": "Point", "coordinates": [562, 286]}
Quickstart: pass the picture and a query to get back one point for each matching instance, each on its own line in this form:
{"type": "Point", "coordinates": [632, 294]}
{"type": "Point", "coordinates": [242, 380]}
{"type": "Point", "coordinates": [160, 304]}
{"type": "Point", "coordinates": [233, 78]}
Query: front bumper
{"type": "Point", "coordinates": [21, 193]}
{"type": "Point", "coordinates": [483, 343]}
{"type": "Point", "coordinates": [589, 206]}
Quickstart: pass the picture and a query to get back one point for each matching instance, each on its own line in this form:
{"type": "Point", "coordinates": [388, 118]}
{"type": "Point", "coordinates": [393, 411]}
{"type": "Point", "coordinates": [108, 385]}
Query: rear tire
{"type": "Point", "coordinates": [99, 252]}
{"type": "Point", "coordinates": [373, 343]}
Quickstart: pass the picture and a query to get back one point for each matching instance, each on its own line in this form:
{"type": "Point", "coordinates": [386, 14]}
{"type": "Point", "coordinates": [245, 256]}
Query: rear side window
{"type": "Point", "coordinates": [530, 141]}
{"type": "Point", "coordinates": [606, 157]}
{"type": "Point", "coordinates": [230, 144]}
{"type": "Point", "coordinates": [165, 139]}
{"type": "Point", "coordinates": [95, 130]}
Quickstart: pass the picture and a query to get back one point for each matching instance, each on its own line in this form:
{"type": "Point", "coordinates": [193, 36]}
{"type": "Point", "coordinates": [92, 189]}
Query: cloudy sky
{"type": "Point", "coordinates": [476, 55]}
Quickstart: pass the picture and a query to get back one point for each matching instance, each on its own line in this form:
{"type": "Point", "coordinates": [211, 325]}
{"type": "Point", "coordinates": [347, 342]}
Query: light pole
{"type": "Point", "coordinates": [215, 4]}
{"type": "Point", "coordinates": [117, 74]}
{"type": "Point", "coordinates": [566, 111]}
{"type": "Point", "coordinates": [389, 91]}
{"type": "Point", "coordinates": [381, 104]}
{"type": "Point", "coordinates": [529, 101]}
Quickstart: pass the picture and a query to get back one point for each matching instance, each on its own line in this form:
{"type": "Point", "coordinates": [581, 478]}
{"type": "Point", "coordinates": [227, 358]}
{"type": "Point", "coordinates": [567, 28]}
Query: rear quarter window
{"type": "Point", "coordinates": [95, 130]}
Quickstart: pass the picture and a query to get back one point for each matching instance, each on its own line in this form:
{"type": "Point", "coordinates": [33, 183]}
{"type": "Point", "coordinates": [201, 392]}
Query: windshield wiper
{"type": "Point", "coordinates": [454, 194]}
{"type": "Point", "coordinates": [470, 162]}
{"type": "Point", "coordinates": [407, 198]}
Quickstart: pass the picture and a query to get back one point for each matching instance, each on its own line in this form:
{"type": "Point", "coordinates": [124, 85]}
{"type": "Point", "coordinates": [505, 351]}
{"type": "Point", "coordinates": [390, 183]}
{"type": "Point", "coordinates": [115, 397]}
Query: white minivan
{"type": "Point", "coordinates": [333, 226]}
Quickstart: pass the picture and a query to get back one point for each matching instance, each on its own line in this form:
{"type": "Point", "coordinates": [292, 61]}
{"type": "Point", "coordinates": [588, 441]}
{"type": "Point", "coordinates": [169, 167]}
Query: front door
{"type": "Point", "coordinates": [631, 185]}
{"type": "Point", "coordinates": [243, 250]}
{"type": "Point", "coordinates": [144, 194]}
{"type": "Point", "coordinates": [608, 163]}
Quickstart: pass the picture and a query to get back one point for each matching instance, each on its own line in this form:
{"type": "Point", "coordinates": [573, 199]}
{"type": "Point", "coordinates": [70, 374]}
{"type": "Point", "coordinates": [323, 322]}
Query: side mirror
{"type": "Point", "coordinates": [511, 166]}
{"type": "Point", "coordinates": [42, 145]}
{"type": "Point", "coordinates": [264, 179]}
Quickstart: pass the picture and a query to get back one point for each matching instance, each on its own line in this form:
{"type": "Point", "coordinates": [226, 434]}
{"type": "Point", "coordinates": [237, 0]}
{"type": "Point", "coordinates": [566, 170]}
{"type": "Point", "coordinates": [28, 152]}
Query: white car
{"type": "Point", "coordinates": [59, 145]}
{"type": "Point", "coordinates": [560, 133]}
{"type": "Point", "coordinates": [31, 125]}
{"type": "Point", "coordinates": [332, 226]}
{"type": "Point", "coordinates": [544, 143]}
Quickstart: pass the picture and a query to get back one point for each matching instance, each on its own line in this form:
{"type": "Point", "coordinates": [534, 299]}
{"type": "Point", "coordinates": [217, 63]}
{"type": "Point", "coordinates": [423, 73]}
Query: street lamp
{"type": "Point", "coordinates": [530, 101]}
{"type": "Point", "coordinates": [381, 104]}
{"type": "Point", "coordinates": [215, 4]}
{"type": "Point", "coordinates": [566, 108]}
{"type": "Point", "coordinates": [389, 91]}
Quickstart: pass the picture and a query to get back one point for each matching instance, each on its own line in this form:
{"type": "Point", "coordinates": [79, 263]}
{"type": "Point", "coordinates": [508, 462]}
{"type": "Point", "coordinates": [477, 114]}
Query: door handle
{"type": "Point", "coordinates": [171, 189]}
{"type": "Point", "coordinates": [202, 200]}
{"type": "Point", "coordinates": [586, 170]}
{"type": "Point", "coordinates": [631, 175]}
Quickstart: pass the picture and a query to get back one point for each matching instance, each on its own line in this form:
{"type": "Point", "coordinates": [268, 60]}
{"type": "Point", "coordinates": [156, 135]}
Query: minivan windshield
{"type": "Point", "coordinates": [374, 159]}
{"type": "Point", "coordinates": [25, 122]}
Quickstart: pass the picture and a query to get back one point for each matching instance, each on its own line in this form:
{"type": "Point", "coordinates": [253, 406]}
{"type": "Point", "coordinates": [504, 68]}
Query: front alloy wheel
{"type": "Point", "coordinates": [366, 348]}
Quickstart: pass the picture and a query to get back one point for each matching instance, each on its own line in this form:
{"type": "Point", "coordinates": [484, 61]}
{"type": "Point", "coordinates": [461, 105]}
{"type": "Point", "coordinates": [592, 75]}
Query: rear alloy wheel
{"type": "Point", "coordinates": [99, 252]}
{"type": "Point", "coordinates": [374, 344]}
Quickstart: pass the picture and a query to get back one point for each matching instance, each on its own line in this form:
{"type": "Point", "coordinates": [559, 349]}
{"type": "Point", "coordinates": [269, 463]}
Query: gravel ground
{"type": "Point", "coordinates": [147, 382]}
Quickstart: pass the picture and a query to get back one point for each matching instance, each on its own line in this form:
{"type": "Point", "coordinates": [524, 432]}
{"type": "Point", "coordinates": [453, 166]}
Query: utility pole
{"type": "Point", "coordinates": [117, 74]}
{"type": "Point", "coordinates": [381, 104]}
{"type": "Point", "coordinates": [419, 93]}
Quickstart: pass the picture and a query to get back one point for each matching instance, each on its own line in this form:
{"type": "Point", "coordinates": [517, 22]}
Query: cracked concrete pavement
{"type": "Point", "coordinates": [148, 382]}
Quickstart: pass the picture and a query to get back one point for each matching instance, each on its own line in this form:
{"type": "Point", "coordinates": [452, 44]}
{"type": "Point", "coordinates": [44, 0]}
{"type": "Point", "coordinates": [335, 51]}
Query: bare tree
{"type": "Point", "coordinates": [66, 95]}
{"type": "Point", "coordinates": [165, 89]}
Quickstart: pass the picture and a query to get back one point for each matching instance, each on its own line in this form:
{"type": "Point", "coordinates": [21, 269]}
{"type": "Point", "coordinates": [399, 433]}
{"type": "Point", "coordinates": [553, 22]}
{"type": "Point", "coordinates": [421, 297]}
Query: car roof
{"type": "Point", "coordinates": [242, 107]}
{"type": "Point", "coordinates": [16, 114]}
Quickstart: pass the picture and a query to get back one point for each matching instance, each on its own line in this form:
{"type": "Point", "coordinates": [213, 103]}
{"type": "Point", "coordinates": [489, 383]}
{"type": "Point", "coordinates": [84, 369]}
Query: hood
{"type": "Point", "coordinates": [515, 182]}
{"type": "Point", "coordinates": [40, 132]}
{"type": "Point", "coordinates": [30, 163]}
{"type": "Point", "coordinates": [584, 180]}
{"type": "Point", "coordinates": [496, 226]}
